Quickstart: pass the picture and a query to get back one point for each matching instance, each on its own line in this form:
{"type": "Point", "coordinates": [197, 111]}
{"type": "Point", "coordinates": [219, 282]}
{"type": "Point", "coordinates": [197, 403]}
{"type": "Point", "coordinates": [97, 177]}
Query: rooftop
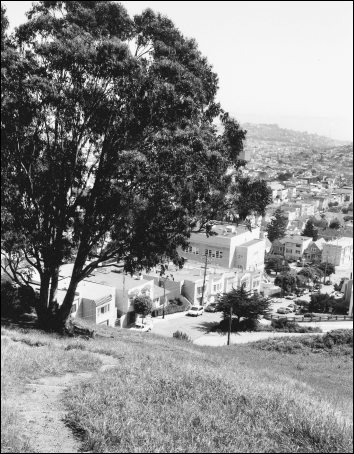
{"type": "Point", "coordinates": [106, 277]}
{"type": "Point", "coordinates": [250, 243]}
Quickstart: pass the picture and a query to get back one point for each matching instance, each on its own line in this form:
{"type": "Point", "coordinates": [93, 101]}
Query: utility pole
{"type": "Point", "coordinates": [205, 270]}
{"type": "Point", "coordinates": [164, 298]}
{"type": "Point", "coordinates": [230, 323]}
{"type": "Point", "coordinates": [325, 273]}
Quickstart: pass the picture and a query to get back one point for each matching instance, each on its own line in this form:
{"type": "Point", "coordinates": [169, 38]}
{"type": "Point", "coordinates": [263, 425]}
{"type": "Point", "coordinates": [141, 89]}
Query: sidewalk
{"type": "Point", "coordinates": [159, 318]}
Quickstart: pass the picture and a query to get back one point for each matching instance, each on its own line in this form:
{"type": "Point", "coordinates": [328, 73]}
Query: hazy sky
{"type": "Point", "coordinates": [285, 62]}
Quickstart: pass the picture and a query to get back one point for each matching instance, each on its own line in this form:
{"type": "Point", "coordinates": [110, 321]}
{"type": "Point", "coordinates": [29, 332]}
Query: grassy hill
{"type": "Point", "coordinates": [167, 395]}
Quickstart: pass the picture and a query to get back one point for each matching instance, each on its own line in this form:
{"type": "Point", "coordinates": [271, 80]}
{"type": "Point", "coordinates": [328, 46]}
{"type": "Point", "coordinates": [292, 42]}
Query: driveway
{"type": "Point", "coordinates": [194, 327]}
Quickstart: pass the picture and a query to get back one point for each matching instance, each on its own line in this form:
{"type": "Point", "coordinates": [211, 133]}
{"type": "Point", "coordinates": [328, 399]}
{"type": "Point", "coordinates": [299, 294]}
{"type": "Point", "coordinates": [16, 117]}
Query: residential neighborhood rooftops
{"type": "Point", "coordinates": [115, 279]}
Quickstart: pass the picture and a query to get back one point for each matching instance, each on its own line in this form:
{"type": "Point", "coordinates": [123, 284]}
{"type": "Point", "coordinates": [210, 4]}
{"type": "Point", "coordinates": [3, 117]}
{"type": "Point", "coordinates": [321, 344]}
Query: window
{"type": "Point", "coordinates": [102, 310]}
{"type": "Point", "coordinates": [298, 245]}
{"type": "Point", "coordinates": [200, 289]}
{"type": "Point", "coordinates": [289, 250]}
{"type": "Point", "coordinates": [218, 254]}
{"type": "Point", "coordinates": [214, 288]}
{"type": "Point", "coordinates": [73, 308]}
{"type": "Point", "coordinates": [297, 252]}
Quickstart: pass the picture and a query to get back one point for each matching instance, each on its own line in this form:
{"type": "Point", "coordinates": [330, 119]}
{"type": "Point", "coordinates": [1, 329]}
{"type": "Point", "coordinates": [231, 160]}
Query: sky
{"type": "Point", "coordinates": [288, 62]}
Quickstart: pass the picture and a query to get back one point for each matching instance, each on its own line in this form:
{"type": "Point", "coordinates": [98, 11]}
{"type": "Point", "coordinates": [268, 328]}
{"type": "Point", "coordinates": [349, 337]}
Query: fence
{"type": "Point", "coordinates": [316, 318]}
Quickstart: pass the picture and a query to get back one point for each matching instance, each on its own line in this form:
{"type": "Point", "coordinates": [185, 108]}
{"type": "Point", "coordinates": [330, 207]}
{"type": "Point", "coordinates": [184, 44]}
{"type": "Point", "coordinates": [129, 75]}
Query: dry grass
{"type": "Point", "coordinates": [172, 396]}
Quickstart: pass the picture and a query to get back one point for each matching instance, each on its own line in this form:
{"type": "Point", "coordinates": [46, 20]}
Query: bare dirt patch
{"type": "Point", "coordinates": [41, 406]}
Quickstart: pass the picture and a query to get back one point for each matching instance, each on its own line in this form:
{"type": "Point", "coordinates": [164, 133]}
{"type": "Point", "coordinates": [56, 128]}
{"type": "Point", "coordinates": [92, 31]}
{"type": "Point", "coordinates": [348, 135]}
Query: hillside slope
{"type": "Point", "coordinates": [167, 395]}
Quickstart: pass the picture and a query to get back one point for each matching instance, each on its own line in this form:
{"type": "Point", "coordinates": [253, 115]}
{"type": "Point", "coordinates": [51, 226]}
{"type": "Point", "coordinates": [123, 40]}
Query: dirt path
{"type": "Point", "coordinates": [42, 408]}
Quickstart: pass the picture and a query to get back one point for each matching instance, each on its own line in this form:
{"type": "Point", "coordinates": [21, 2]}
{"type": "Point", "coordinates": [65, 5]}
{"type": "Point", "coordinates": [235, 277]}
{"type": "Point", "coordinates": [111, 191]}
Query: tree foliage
{"type": "Point", "coordinates": [310, 230]}
{"type": "Point", "coordinates": [321, 302]}
{"type": "Point", "coordinates": [244, 304]}
{"type": "Point", "coordinates": [277, 226]}
{"type": "Point", "coordinates": [142, 305]}
{"type": "Point", "coordinates": [108, 138]}
{"type": "Point", "coordinates": [311, 273]}
{"type": "Point", "coordinates": [335, 224]}
{"type": "Point", "coordinates": [286, 281]}
{"type": "Point", "coordinates": [327, 268]}
{"type": "Point", "coordinates": [277, 263]}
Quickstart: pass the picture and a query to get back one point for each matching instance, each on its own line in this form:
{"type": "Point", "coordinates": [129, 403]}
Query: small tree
{"type": "Point", "coordinates": [244, 304]}
{"type": "Point", "coordinates": [310, 230]}
{"type": "Point", "coordinates": [335, 224]}
{"type": "Point", "coordinates": [286, 281]}
{"type": "Point", "coordinates": [277, 226]}
{"type": "Point", "coordinates": [276, 263]}
{"type": "Point", "coordinates": [327, 268]}
{"type": "Point", "coordinates": [143, 305]}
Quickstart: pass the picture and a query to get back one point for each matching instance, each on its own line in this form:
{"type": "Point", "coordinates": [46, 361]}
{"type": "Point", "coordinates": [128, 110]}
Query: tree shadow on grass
{"type": "Point", "coordinates": [25, 321]}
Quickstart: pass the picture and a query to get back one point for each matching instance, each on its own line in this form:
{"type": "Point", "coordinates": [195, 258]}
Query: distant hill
{"type": "Point", "coordinates": [273, 133]}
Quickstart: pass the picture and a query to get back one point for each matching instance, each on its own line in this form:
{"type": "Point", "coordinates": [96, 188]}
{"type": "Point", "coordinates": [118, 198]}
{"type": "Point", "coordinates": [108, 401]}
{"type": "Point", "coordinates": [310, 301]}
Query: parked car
{"type": "Point", "coordinates": [329, 283]}
{"type": "Point", "coordinates": [211, 307]}
{"type": "Point", "coordinates": [291, 296]}
{"type": "Point", "coordinates": [291, 305]}
{"type": "Point", "coordinates": [142, 327]}
{"type": "Point", "coordinates": [288, 309]}
{"type": "Point", "coordinates": [281, 310]}
{"type": "Point", "coordinates": [195, 311]}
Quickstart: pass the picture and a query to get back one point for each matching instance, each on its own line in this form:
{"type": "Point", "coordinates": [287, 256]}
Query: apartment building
{"type": "Point", "coordinates": [231, 247]}
{"type": "Point", "coordinates": [339, 251]}
{"type": "Point", "coordinates": [291, 247]}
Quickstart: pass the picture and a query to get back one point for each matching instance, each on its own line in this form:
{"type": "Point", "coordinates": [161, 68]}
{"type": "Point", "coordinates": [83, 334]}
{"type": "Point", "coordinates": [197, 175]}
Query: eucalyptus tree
{"type": "Point", "coordinates": [107, 133]}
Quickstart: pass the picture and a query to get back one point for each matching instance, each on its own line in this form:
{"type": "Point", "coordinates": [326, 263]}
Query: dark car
{"type": "Point", "coordinates": [329, 282]}
{"type": "Point", "coordinates": [211, 307]}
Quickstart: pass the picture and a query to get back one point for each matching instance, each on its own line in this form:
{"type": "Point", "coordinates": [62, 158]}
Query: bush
{"type": "Point", "coordinates": [172, 307]}
{"type": "Point", "coordinates": [181, 336]}
{"type": "Point", "coordinates": [338, 337]}
{"type": "Point", "coordinates": [337, 342]}
{"type": "Point", "coordinates": [16, 301]}
{"type": "Point", "coordinates": [285, 326]}
{"type": "Point", "coordinates": [248, 324]}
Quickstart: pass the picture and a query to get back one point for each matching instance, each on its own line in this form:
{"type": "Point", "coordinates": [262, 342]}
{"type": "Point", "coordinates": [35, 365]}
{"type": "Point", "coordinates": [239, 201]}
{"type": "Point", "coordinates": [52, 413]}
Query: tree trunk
{"type": "Point", "coordinates": [42, 305]}
{"type": "Point", "coordinates": [53, 305]}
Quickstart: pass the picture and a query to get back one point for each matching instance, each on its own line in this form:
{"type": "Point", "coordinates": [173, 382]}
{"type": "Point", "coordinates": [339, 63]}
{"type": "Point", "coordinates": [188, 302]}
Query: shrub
{"type": "Point", "coordinates": [285, 326]}
{"type": "Point", "coordinates": [181, 336]}
{"type": "Point", "coordinates": [248, 324]}
{"type": "Point", "coordinates": [338, 337]}
{"type": "Point", "coordinates": [16, 301]}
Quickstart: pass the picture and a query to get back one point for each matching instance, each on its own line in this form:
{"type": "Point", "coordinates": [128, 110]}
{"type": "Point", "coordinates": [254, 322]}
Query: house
{"type": "Point", "coordinates": [313, 252]}
{"type": "Point", "coordinates": [291, 247]}
{"type": "Point", "coordinates": [93, 301]}
{"type": "Point", "coordinates": [230, 247]}
{"type": "Point", "coordinates": [126, 288]}
{"type": "Point", "coordinates": [278, 191]}
{"type": "Point", "coordinates": [339, 251]}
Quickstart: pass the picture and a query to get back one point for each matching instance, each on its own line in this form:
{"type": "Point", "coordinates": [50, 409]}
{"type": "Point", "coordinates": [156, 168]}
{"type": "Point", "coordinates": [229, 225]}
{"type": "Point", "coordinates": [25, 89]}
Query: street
{"type": "Point", "coordinates": [194, 327]}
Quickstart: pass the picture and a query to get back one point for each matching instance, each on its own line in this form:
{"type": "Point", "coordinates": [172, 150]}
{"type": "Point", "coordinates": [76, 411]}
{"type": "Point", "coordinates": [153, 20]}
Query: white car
{"type": "Point", "coordinates": [195, 311]}
{"type": "Point", "coordinates": [142, 327]}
